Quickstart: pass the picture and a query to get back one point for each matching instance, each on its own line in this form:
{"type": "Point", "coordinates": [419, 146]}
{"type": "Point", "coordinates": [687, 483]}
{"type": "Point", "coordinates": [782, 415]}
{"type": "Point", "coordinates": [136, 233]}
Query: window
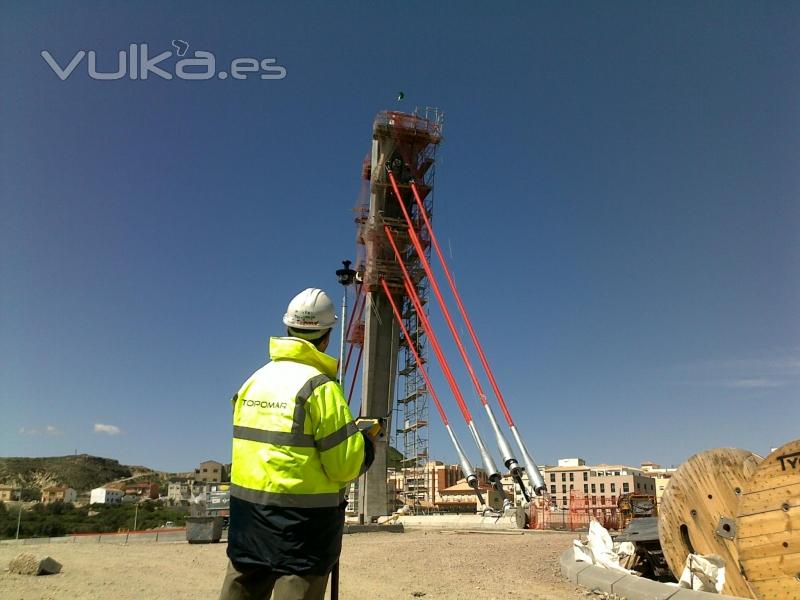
{"type": "Point", "coordinates": [585, 488]}
{"type": "Point", "coordinates": [563, 477]}
{"type": "Point", "coordinates": [552, 489]}
{"type": "Point", "coordinates": [626, 487]}
{"type": "Point", "coordinates": [602, 499]}
{"type": "Point", "coordinates": [586, 475]}
{"type": "Point", "coordinates": [593, 489]}
{"type": "Point", "coordinates": [571, 487]}
{"type": "Point", "coordinates": [205, 470]}
{"type": "Point", "coordinates": [572, 476]}
{"type": "Point", "coordinates": [602, 487]}
{"type": "Point", "coordinates": [594, 499]}
{"type": "Point", "coordinates": [613, 487]}
{"type": "Point", "coordinates": [552, 477]}
{"type": "Point", "coordinates": [564, 489]}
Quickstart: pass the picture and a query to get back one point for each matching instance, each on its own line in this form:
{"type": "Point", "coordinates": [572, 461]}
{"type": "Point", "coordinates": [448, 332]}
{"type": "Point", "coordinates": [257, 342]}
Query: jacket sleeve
{"type": "Point", "coordinates": [340, 444]}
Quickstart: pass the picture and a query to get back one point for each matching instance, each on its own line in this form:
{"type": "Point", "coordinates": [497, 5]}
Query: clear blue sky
{"type": "Point", "coordinates": [619, 186]}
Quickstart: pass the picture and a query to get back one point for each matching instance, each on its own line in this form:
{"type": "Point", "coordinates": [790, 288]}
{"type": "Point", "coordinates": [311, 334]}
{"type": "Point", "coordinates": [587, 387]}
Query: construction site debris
{"type": "Point", "coordinates": [599, 549]}
{"type": "Point", "coordinates": [30, 564]}
{"type": "Point", "coordinates": [703, 573]}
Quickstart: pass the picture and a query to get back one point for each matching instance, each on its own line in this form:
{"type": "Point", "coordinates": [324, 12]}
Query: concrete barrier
{"type": "Point", "coordinates": [132, 537]}
{"type": "Point", "coordinates": [459, 521]}
{"type": "Point", "coordinates": [630, 587]}
{"type": "Point", "coordinates": [597, 579]}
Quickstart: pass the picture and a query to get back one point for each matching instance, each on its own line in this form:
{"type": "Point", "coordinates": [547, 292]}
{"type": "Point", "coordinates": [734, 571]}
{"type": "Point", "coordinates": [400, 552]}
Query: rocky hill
{"type": "Point", "coordinates": [81, 472]}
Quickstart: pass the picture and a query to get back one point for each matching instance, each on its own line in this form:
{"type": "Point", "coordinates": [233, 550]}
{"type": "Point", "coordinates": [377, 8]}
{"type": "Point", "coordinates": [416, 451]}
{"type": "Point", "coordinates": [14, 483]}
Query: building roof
{"type": "Point", "coordinates": [574, 468]}
{"type": "Point", "coordinates": [463, 486]}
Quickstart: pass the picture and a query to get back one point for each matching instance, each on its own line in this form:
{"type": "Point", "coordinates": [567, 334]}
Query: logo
{"type": "Point", "coordinates": [136, 63]}
{"type": "Point", "coordinates": [265, 404]}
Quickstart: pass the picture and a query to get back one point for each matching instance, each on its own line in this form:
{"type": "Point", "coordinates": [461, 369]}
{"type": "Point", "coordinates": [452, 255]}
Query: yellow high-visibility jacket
{"type": "Point", "coordinates": [295, 444]}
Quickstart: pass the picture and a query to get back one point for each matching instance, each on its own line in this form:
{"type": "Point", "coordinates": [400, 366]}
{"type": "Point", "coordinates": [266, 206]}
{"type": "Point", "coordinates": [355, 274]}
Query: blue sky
{"type": "Point", "coordinates": [618, 188]}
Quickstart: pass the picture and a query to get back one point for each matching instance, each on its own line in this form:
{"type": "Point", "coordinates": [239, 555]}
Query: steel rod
{"type": "Point", "coordinates": [534, 475]}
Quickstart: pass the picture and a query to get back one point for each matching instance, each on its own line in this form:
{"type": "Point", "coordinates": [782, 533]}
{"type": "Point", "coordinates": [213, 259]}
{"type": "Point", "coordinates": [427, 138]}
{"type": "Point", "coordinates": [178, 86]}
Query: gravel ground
{"type": "Point", "coordinates": [436, 565]}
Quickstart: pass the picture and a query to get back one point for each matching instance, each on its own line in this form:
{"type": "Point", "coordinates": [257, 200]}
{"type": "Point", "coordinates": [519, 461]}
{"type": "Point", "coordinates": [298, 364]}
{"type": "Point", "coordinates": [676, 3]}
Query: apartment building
{"type": "Point", "coordinates": [601, 484]}
{"type": "Point", "coordinates": [145, 489]}
{"type": "Point", "coordinates": [59, 494]}
{"type": "Point", "coordinates": [211, 471]}
{"type": "Point", "coordinates": [179, 491]}
{"type": "Point", "coordinates": [9, 493]}
{"type": "Point", "coordinates": [662, 476]}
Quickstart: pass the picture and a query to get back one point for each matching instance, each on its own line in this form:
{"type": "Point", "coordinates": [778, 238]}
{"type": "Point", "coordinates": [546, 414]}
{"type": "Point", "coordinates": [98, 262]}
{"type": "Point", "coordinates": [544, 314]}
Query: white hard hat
{"type": "Point", "coordinates": [310, 309]}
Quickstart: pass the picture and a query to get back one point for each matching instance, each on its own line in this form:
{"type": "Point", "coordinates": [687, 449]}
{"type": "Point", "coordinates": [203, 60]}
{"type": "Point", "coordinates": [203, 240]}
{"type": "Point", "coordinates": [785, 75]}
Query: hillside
{"type": "Point", "coordinates": [81, 472]}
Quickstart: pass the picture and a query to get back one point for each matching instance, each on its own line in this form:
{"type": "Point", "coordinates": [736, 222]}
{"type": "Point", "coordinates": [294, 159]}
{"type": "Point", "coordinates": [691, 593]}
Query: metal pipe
{"type": "Point", "coordinates": [530, 465]}
{"type": "Point", "coordinates": [534, 476]}
{"type": "Point", "coordinates": [344, 336]}
{"type": "Point", "coordinates": [19, 514]}
{"type": "Point", "coordinates": [488, 462]}
{"type": "Point", "coordinates": [510, 462]}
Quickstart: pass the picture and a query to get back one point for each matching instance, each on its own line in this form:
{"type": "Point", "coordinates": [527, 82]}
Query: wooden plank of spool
{"type": "Point", "coordinates": [768, 525]}
{"type": "Point", "coordinates": [698, 508]}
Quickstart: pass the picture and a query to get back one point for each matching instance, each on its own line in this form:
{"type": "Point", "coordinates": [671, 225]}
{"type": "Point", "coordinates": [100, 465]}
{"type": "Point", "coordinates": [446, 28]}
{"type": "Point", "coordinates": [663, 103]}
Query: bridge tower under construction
{"type": "Point", "coordinates": [406, 143]}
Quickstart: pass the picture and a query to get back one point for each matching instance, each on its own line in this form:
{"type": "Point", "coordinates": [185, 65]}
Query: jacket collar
{"type": "Point", "coordinates": [291, 348]}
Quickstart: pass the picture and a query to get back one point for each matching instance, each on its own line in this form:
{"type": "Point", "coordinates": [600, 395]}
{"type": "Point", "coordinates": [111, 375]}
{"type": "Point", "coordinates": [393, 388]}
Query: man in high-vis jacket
{"type": "Point", "coordinates": [295, 451]}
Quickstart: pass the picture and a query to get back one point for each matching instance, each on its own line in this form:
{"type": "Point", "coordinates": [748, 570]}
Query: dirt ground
{"type": "Point", "coordinates": [432, 565]}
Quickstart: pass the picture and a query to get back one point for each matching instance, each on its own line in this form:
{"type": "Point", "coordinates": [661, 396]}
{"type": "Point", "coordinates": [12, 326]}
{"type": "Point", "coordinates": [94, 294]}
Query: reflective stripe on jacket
{"type": "Point", "coordinates": [294, 440]}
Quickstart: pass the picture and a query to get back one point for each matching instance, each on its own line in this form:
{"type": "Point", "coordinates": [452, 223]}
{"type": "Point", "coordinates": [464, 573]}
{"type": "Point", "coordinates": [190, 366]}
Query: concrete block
{"type": "Point", "coordinates": [639, 588]}
{"type": "Point", "coordinates": [30, 564]}
{"type": "Point", "coordinates": [374, 528]}
{"type": "Point", "coordinates": [683, 594]}
{"type": "Point", "coordinates": [570, 568]}
{"type": "Point", "coordinates": [599, 579]}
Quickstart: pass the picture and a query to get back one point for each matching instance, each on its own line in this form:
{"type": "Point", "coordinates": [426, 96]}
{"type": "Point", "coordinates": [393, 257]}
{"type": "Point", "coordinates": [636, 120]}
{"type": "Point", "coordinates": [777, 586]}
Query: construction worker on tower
{"type": "Point", "coordinates": [295, 450]}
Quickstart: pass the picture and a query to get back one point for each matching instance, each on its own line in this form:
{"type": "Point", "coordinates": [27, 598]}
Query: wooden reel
{"type": "Point", "coordinates": [698, 509]}
{"type": "Point", "coordinates": [768, 525]}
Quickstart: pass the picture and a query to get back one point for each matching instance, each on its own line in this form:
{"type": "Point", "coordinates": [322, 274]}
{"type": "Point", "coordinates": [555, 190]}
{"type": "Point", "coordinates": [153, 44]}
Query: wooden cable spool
{"type": "Point", "coordinates": [698, 509]}
{"type": "Point", "coordinates": [768, 525]}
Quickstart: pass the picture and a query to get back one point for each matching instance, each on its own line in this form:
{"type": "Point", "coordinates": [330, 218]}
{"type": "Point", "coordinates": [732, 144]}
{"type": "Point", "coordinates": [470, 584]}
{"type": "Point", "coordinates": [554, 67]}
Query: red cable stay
{"type": "Point", "coordinates": [412, 293]}
{"type": "Point", "coordinates": [469, 471]}
{"type": "Point", "coordinates": [420, 366]}
{"type": "Point", "coordinates": [435, 286]}
{"type": "Point", "coordinates": [461, 308]}
{"type": "Point", "coordinates": [494, 474]}
{"type": "Point", "coordinates": [509, 461]}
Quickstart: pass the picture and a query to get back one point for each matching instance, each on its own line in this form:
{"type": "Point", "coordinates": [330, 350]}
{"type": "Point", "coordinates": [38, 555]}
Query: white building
{"type": "Point", "coordinates": [105, 496]}
{"type": "Point", "coordinates": [179, 491]}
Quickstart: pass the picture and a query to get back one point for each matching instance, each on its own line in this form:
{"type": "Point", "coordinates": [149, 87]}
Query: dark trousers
{"type": "Point", "coordinates": [249, 582]}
